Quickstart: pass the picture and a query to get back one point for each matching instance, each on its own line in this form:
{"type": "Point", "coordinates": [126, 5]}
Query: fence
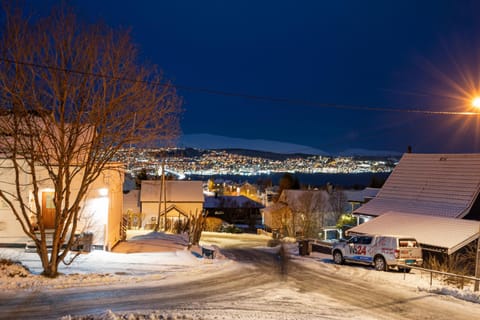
{"type": "Point", "coordinates": [451, 278]}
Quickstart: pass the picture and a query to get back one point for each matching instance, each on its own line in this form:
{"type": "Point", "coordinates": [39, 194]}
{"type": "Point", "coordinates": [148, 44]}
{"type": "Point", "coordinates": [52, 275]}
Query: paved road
{"type": "Point", "coordinates": [258, 289]}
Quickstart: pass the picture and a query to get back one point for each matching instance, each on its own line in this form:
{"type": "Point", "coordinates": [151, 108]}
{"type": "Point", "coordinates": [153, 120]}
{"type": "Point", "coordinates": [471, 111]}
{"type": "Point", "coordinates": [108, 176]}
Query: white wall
{"type": "Point", "coordinates": [101, 213]}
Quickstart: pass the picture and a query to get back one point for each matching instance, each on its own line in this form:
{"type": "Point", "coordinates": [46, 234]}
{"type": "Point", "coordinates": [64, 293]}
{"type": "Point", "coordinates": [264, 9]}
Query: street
{"type": "Point", "coordinates": [256, 286]}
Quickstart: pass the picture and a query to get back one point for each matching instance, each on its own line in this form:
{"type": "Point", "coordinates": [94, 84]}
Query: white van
{"type": "Point", "coordinates": [382, 252]}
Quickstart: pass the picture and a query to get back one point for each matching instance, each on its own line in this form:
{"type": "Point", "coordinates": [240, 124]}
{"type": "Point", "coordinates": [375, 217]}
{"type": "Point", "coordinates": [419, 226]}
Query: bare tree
{"type": "Point", "coordinates": [338, 202]}
{"type": "Point", "coordinates": [305, 212]}
{"type": "Point", "coordinates": [71, 95]}
{"type": "Point", "coordinates": [196, 224]}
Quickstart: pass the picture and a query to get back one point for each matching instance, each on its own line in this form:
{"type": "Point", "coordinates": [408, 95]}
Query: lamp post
{"type": "Point", "coordinates": [477, 262]}
{"type": "Point", "coordinates": [476, 104]}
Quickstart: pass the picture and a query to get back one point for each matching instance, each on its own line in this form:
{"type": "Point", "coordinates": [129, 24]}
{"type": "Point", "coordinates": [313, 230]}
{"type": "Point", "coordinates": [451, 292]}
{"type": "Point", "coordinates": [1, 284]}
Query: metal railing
{"type": "Point", "coordinates": [459, 280]}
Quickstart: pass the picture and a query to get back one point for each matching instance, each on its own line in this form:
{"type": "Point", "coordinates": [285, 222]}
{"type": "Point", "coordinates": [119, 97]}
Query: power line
{"type": "Point", "coordinates": [324, 105]}
{"type": "Point", "coordinates": [242, 95]}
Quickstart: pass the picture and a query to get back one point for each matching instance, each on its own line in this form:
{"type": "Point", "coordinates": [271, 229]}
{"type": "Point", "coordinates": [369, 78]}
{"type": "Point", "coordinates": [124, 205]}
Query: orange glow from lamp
{"type": "Point", "coordinates": [476, 102]}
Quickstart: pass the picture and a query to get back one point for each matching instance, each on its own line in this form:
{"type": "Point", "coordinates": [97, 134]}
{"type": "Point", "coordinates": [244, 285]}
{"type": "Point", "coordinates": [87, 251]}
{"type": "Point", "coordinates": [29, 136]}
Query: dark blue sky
{"type": "Point", "coordinates": [371, 54]}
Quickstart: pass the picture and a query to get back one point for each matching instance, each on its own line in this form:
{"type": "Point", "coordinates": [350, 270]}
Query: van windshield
{"type": "Point", "coordinates": [408, 243]}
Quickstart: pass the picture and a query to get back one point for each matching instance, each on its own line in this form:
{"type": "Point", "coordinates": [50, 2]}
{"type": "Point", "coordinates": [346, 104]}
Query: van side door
{"type": "Point", "coordinates": [349, 253]}
{"type": "Point", "coordinates": [362, 249]}
{"type": "Point", "coordinates": [358, 249]}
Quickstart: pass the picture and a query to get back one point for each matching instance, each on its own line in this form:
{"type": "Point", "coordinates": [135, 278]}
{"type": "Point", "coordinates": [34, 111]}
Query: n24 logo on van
{"type": "Point", "coordinates": [359, 250]}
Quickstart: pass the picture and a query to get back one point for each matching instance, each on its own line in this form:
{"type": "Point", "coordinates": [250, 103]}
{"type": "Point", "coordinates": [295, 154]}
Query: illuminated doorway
{"type": "Point", "coordinates": [48, 209]}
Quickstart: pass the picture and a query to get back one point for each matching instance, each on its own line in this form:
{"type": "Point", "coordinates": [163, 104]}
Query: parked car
{"type": "Point", "coordinates": [379, 251]}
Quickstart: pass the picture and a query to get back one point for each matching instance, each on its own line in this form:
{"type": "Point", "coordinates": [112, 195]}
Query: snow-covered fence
{"type": "Point", "coordinates": [459, 280]}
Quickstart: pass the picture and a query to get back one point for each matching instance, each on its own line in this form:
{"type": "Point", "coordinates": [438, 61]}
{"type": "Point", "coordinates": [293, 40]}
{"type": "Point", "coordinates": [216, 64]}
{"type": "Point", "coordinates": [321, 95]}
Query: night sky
{"type": "Point", "coordinates": [338, 66]}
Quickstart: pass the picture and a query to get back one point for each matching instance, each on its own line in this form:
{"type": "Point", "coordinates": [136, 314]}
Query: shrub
{"type": "Point", "coordinates": [12, 268]}
{"type": "Point", "coordinates": [461, 262]}
{"type": "Point", "coordinates": [180, 226]}
{"type": "Point", "coordinates": [213, 224]}
{"type": "Point", "coordinates": [231, 228]}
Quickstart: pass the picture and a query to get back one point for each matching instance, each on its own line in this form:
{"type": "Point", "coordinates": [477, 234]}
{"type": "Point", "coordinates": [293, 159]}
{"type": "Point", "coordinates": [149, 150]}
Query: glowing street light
{"type": "Point", "coordinates": [476, 102]}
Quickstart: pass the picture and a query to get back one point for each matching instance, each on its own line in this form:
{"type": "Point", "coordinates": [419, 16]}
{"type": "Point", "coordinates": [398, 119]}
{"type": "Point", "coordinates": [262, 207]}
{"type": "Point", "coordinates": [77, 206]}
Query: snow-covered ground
{"type": "Point", "coordinates": [104, 268]}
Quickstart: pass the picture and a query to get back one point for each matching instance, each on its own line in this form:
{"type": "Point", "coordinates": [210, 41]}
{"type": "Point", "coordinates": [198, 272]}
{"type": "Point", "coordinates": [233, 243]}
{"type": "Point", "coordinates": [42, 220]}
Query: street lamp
{"type": "Point", "coordinates": [476, 102]}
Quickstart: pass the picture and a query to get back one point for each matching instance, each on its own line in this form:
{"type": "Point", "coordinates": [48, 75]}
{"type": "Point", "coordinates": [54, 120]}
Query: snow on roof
{"type": "Point", "coordinates": [361, 195]}
{"type": "Point", "coordinates": [432, 184]}
{"type": "Point", "coordinates": [177, 191]}
{"type": "Point", "coordinates": [441, 232]}
{"type": "Point", "coordinates": [230, 202]}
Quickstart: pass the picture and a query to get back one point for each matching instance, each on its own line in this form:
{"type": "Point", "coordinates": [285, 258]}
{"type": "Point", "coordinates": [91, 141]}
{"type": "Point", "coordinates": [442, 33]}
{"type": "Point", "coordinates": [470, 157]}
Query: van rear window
{"type": "Point", "coordinates": [408, 243]}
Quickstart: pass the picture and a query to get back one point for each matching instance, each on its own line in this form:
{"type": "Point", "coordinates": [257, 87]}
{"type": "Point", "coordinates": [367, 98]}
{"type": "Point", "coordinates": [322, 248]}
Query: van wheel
{"type": "Point", "coordinates": [338, 257]}
{"type": "Point", "coordinates": [380, 264]}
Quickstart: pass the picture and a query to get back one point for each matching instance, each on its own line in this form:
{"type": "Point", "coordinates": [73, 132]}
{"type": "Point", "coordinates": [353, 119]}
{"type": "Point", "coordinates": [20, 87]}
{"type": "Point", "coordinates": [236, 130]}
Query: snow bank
{"type": "Point", "coordinates": [154, 315]}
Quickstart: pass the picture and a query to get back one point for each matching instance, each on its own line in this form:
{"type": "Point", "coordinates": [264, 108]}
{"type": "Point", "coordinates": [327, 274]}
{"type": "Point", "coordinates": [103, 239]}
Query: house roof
{"type": "Point", "coordinates": [176, 191]}
{"type": "Point", "coordinates": [230, 202]}
{"type": "Point", "coordinates": [448, 233]}
{"type": "Point", "coordinates": [361, 195]}
{"type": "Point", "coordinates": [431, 184]}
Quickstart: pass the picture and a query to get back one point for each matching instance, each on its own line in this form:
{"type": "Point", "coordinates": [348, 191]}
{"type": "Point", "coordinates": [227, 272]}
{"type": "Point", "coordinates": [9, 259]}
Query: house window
{"type": "Point", "coordinates": [3, 204]}
{"type": "Point", "coordinates": [49, 203]}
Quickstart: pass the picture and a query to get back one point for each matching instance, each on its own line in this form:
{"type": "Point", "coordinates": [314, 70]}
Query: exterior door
{"type": "Point", "coordinates": [358, 248]}
{"type": "Point", "coordinates": [48, 209]}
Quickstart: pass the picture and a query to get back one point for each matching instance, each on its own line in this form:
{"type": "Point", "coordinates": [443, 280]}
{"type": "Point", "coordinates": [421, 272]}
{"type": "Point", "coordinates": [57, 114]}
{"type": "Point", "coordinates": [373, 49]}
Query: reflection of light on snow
{"type": "Point", "coordinates": [99, 207]}
{"type": "Point", "coordinates": [94, 218]}
{"type": "Point", "coordinates": [180, 176]}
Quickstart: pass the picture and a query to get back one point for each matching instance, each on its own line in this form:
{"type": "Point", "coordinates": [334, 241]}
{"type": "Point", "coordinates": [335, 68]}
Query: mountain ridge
{"type": "Point", "coordinates": [215, 142]}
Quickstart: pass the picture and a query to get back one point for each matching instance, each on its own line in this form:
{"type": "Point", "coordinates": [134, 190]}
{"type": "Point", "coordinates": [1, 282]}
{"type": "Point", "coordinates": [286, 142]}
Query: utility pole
{"type": "Point", "coordinates": [130, 146]}
{"type": "Point", "coordinates": [162, 199]}
{"type": "Point", "coordinates": [159, 214]}
{"type": "Point", "coordinates": [477, 261]}
{"type": "Point", "coordinates": [164, 190]}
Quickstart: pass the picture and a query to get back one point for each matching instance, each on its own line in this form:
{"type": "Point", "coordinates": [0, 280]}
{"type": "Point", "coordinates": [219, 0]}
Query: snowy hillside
{"type": "Point", "coordinates": [208, 141]}
{"type": "Point", "coordinates": [369, 153]}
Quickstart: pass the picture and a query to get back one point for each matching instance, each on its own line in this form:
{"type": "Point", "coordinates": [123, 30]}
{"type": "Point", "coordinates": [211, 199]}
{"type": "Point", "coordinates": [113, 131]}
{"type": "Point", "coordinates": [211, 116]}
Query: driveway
{"type": "Point", "coordinates": [150, 241]}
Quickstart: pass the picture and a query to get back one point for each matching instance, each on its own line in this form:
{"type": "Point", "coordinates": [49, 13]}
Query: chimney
{"type": "Point", "coordinates": [409, 149]}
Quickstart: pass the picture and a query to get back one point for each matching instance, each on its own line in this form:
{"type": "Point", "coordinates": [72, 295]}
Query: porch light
{"type": "Point", "coordinates": [103, 192]}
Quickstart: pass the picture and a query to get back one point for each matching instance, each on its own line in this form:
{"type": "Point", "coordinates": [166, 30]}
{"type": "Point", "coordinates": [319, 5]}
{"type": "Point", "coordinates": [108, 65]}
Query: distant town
{"type": "Point", "coordinates": [186, 162]}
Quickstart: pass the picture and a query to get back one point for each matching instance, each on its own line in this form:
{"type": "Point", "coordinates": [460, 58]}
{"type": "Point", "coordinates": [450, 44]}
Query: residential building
{"type": "Point", "coordinates": [239, 210]}
{"type": "Point", "coordinates": [445, 185]}
{"type": "Point", "coordinates": [425, 196]}
{"type": "Point", "coordinates": [100, 211]}
{"type": "Point", "coordinates": [176, 201]}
